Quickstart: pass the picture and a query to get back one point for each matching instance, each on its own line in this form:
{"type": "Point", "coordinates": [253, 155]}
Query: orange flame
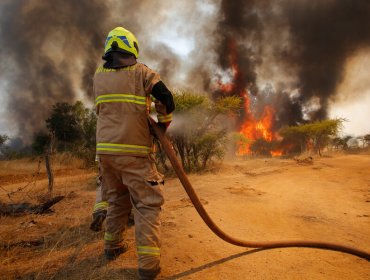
{"type": "Point", "coordinates": [252, 128]}
{"type": "Point", "coordinates": [276, 153]}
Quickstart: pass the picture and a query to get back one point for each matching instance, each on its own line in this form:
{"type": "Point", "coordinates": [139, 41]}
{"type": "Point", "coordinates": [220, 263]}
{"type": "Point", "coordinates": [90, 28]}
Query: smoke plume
{"type": "Point", "coordinates": [287, 54]}
{"type": "Point", "coordinates": [324, 35]}
{"type": "Point", "coordinates": [308, 42]}
{"type": "Point", "coordinates": [50, 49]}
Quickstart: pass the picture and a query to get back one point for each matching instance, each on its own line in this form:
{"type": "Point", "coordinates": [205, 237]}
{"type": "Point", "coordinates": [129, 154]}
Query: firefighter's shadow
{"type": "Point", "coordinates": [211, 264]}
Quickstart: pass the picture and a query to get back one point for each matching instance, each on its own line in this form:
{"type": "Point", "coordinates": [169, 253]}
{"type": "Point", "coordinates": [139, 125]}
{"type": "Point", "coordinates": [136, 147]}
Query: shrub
{"type": "Point", "coordinates": [199, 131]}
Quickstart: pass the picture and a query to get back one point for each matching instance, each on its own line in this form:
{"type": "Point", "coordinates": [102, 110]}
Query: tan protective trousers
{"type": "Point", "coordinates": [134, 182]}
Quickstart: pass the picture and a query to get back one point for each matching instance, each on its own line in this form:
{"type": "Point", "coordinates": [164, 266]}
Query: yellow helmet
{"type": "Point", "coordinates": [120, 39]}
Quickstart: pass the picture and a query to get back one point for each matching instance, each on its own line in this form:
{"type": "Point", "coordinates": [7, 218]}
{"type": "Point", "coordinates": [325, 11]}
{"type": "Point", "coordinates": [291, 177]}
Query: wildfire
{"type": "Point", "coordinates": [277, 153]}
{"type": "Point", "coordinates": [251, 128]}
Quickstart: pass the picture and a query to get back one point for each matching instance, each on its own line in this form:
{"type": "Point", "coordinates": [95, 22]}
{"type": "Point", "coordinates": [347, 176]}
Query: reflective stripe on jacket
{"type": "Point", "coordinates": [122, 99]}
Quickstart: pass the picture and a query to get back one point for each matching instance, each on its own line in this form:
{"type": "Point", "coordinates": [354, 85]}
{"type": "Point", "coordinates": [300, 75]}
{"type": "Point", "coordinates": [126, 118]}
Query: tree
{"type": "Point", "coordinates": [3, 139]}
{"type": "Point", "coordinates": [367, 139]}
{"type": "Point", "coordinates": [341, 142]}
{"type": "Point", "coordinates": [295, 136]}
{"type": "Point", "coordinates": [321, 132]}
{"type": "Point", "coordinates": [73, 127]}
{"type": "Point", "coordinates": [210, 145]}
{"type": "Point", "coordinates": [318, 134]}
{"type": "Point", "coordinates": [65, 122]}
{"type": "Point", "coordinates": [3, 149]}
{"type": "Point", "coordinates": [263, 147]}
{"type": "Point", "coordinates": [362, 140]}
{"type": "Point", "coordinates": [205, 135]}
{"type": "Point", "coordinates": [242, 143]}
{"type": "Point", "coordinates": [41, 141]}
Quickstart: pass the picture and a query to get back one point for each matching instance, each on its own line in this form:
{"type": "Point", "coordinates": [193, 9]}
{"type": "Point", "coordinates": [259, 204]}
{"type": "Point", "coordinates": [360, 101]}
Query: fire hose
{"type": "Point", "coordinates": [168, 148]}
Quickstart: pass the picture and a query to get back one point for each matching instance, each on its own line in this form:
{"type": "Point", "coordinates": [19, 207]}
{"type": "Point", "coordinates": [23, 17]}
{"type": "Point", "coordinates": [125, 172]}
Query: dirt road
{"type": "Point", "coordinates": [261, 199]}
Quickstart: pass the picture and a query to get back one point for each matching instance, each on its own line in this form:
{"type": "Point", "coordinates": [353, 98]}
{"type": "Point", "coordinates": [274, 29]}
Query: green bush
{"type": "Point", "coordinates": [201, 137]}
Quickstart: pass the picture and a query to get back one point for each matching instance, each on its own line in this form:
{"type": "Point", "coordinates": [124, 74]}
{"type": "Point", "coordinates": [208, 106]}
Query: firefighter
{"type": "Point", "coordinates": [123, 90]}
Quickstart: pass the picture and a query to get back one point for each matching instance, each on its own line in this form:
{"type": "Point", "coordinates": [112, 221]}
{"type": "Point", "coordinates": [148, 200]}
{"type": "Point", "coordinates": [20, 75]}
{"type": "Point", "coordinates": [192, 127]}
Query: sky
{"type": "Point", "coordinates": [354, 102]}
{"type": "Point", "coordinates": [185, 41]}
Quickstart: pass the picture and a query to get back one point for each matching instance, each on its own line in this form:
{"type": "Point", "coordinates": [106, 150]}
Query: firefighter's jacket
{"type": "Point", "coordinates": [123, 100]}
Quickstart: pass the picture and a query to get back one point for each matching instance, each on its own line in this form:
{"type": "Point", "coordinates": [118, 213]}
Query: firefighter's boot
{"type": "Point", "coordinates": [98, 219]}
{"type": "Point", "coordinates": [145, 274]}
{"type": "Point", "coordinates": [112, 254]}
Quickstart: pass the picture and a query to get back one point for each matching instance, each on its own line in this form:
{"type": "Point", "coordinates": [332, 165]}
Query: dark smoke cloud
{"type": "Point", "coordinates": [310, 40]}
{"type": "Point", "coordinates": [324, 35]}
{"type": "Point", "coordinates": [168, 62]}
{"type": "Point", "coordinates": [51, 49]}
{"type": "Point", "coordinates": [146, 20]}
{"type": "Point", "coordinates": [238, 36]}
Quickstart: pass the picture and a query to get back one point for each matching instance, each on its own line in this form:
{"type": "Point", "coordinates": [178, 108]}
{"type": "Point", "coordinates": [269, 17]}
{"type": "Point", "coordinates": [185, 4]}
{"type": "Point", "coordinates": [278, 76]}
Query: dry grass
{"type": "Point", "coordinates": [58, 245]}
{"type": "Point", "coordinates": [26, 176]}
{"type": "Point", "coordinates": [19, 166]}
{"type": "Point", "coordinates": [31, 165]}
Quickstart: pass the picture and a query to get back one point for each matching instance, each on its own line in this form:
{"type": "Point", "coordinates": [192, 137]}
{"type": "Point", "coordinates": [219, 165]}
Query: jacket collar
{"type": "Point", "coordinates": [115, 60]}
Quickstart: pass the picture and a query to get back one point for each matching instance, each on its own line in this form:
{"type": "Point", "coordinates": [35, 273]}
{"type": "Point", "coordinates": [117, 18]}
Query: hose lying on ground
{"type": "Point", "coordinates": [238, 242]}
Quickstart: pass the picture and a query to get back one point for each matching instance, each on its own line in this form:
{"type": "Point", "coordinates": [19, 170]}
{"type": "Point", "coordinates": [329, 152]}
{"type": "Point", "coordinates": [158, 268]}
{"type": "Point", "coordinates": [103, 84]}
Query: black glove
{"type": "Point", "coordinates": [162, 126]}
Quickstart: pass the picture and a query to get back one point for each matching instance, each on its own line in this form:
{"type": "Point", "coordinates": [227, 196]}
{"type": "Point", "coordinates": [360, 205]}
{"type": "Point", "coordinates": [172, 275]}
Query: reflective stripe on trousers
{"type": "Point", "coordinates": [113, 238]}
{"type": "Point", "coordinates": [103, 205]}
{"type": "Point", "coordinates": [101, 202]}
{"type": "Point", "coordinates": [148, 250]}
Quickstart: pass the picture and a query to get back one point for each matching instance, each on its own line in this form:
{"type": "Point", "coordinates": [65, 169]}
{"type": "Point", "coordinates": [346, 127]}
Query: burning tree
{"type": "Point", "coordinates": [263, 147]}
{"type": "Point", "coordinates": [252, 129]}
